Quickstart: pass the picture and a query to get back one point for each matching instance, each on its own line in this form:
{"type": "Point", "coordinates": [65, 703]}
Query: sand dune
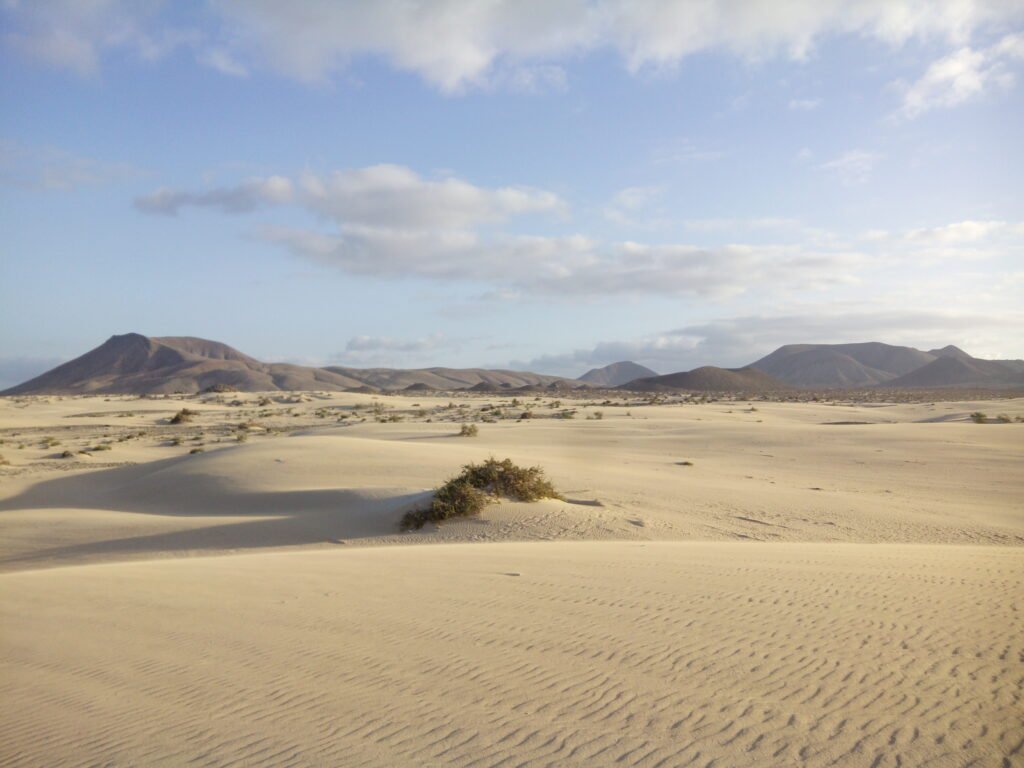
{"type": "Point", "coordinates": [522, 654]}
{"type": "Point", "coordinates": [725, 583]}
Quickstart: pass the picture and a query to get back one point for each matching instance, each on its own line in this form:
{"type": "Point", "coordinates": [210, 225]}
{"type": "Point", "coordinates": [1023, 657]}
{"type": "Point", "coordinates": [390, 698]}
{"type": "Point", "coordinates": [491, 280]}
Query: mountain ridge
{"type": "Point", "coordinates": [135, 364]}
{"type": "Point", "coordinates": [875, 364]}
{"type": "Point", "coordinates": [616, 374]}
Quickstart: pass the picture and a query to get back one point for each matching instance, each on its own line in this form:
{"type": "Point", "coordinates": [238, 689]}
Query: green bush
{"type": "Point", "coordinates": [468, 493]}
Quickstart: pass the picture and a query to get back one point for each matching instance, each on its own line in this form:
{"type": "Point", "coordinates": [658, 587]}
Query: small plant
{"type": "Point", "coordinates": [3, 462]}
{"type": "Point", "coordinates": [183, 416]}
{"type": "Point", "coordinates": [196, 450]}
{"type": "Point", "coordinates": [101, 447]}
{"type": "Point", "coordinates": [978, 417]}
{"type": "Point", "coordinates": [596, 416]}
{"type": "Point", "coordinates": [1003, 418]}
{"type": "Point", "coordinates": [469, 430]}
{"type": "Point", "coordinates": [176, 441]}
{"type": "Point", "coordinates": [67, 454]}
{"type": "Point", "coordinates": [468, 493]}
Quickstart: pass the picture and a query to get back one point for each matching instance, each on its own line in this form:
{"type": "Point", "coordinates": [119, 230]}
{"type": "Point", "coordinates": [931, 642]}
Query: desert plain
{"type": "Point", "coordinates": [725, 583]}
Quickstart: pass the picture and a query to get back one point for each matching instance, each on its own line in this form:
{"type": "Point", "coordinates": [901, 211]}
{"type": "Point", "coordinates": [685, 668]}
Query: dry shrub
{"type": "Point", "coordinates": [469, 492]}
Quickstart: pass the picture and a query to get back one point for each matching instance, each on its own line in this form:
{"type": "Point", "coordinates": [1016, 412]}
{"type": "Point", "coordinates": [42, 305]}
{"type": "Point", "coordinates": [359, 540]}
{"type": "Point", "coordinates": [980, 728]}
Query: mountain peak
{"type": "Point", "coordinates": [616, 374]}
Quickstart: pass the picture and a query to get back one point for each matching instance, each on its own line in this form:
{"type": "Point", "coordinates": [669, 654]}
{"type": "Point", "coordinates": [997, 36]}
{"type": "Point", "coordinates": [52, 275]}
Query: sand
{"type": "Point", "coordinates": [804, 593]}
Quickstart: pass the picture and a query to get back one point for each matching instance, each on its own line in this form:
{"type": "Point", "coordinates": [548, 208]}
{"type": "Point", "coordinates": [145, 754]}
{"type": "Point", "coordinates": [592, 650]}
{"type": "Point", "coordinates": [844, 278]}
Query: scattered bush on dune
{"type": "Point", "coordinates": [182, 416]}
{"type": "Point", "coordinates": [469, 492]}
{"type": "Point", "coordinates": [978, 417]}
{"type": "Point", "coordinates": [469, 430]}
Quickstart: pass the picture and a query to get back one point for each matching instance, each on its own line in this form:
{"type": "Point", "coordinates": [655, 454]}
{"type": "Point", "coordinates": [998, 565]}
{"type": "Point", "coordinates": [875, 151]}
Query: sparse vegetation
{"type": "Point", "coordinates": [196, 450]}
{"type": "Point", "coordinates": [183, 416]}
{"type": "Point", "coordinates": [978, 417]}
{"type": "Point", "coordinates": [468, 493]}
{"type": "Point", "coordinates": [469, 430]}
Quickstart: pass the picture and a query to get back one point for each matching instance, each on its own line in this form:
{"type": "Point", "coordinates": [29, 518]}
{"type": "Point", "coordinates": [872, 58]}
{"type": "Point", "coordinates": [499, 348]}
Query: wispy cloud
{"type": "Point", "coordinates": [962, 76]}
{"type": "Point", "coordinates": [739, 341]}
{"type": "Point", "coordinates": [852, 167]}
{"type": "Point", "coordinates": [804, 105]}
{"type": "Point", "coordinates": [456, 46]}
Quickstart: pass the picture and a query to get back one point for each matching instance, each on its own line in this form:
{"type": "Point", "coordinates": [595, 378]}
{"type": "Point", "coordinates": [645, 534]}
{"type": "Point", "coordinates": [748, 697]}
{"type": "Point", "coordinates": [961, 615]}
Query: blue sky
{"type": "Point", "coordinates": [553, 185]}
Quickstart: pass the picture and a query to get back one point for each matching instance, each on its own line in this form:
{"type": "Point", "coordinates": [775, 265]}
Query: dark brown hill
{"type": "Point", "coordinates": [137, 364]}
{"type": "Point", "coordinates": [709, 379]}
{"type": "Point", "coordinates": [616, 374]}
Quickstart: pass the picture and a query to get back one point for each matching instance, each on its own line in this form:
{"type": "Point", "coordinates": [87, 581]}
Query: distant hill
{"type": "Point", "coordinates": [137, 364]}
{"type": "Point", "coordinates": [958, 372]}
{"type": "Point", "coordinates": [616, 374]}
{"type": "Point", "coordinates": [443, 378]}
{"type": "Point", "coordinates": [709, 379]}
{"type": "Point", "coordinates": [870, 364]}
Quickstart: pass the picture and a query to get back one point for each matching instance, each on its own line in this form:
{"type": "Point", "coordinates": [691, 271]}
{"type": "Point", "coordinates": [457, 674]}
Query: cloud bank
{"type": "Point", "coordinates": [455, 45]}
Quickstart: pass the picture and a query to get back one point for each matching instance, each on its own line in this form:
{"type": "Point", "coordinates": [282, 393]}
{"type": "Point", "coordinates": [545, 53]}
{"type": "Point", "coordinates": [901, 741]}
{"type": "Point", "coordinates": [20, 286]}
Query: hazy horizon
{"type": "Point", "coordinates": [505, 187]}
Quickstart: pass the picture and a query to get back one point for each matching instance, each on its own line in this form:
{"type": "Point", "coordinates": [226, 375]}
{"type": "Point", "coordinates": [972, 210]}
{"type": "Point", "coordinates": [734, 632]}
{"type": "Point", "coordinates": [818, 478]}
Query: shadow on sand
{"type": "Point", "coordinates": [290, 518]}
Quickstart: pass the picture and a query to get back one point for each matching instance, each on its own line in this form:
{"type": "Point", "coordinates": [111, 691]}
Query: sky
{"type": "Point", "coordinates": [543, 184]}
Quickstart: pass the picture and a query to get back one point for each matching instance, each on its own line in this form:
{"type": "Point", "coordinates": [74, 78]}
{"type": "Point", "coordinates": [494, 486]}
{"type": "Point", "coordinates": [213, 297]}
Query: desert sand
{"type": "Point", "coordinates": [726, 583]}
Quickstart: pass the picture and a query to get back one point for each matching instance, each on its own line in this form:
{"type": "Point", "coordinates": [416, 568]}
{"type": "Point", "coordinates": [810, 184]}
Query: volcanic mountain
{"type": "Point", "coordinates": [137, 364]}
{"type": "Point", "coordinates": [870, 364]}
{"type": "Point", "coordinates": [709, 379]}
{"type": "Point", "coordinates": [616, 374]}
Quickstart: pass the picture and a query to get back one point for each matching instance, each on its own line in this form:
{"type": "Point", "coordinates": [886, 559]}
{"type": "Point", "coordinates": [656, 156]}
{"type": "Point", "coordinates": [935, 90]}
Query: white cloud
{"type": "Point", "coordinates": [739, 341]}
{"type": "Point", "coordinates": [388, 343]}
{"type": "Point", "coordinates": [574, 266]}
{"type": "Point", "coordinates": [627, 203]}
{"type": "Point", "coordinates": [958, 232]}
{"type": "Point", "coordinates": [962, 76]}
{"type": "Point", "coordinates": [804, 105]}
{"type": "Point", "coordinates": [852, 167]}
{"type": "Point", "coordinates": [378, 197]}
{"type": "Point", "coordinates": [455, 45]}
{"type": "Point", "coordinates": [388, 222]}
{"type": "Point", "coordinates": [245, 197]}
{"type": "Point", "coordinates": [684, 151]}
{"type": "Point", "coordinates": [74, 35]}
{"type": "Point", "coordinates": [222, 61]}
{"type": "Point", "coordinates": [395, 196]}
